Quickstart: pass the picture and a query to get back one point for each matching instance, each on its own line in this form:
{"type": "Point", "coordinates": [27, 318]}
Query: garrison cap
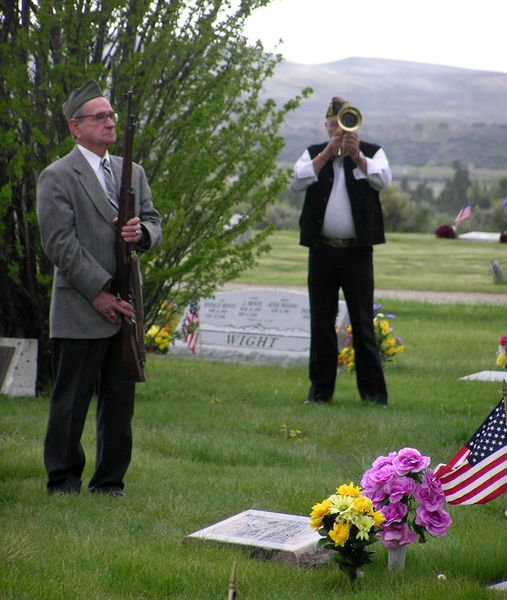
{"type": "Point", "coordinates": [334, 106]}
{"type": "Point", "coordinates": [77, 98]}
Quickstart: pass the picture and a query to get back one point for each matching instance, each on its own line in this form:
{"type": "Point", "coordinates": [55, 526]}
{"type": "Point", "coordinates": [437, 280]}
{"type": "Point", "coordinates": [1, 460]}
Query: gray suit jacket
{"type": "Point", "coordinates": [78, 235]}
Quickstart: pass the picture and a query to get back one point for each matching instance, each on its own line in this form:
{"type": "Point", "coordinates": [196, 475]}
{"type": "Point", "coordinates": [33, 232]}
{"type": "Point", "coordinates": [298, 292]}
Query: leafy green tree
{"type": "Point", "coordinates": [399, 210]}
{"type": "Point", "coordinates": [208, 145]}
{"type": "Point", "coordinates": [456, 190]}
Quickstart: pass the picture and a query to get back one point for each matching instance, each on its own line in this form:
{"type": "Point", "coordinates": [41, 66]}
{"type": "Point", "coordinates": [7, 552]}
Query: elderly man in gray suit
{"type": "Point", "coordinates": [77, 212]}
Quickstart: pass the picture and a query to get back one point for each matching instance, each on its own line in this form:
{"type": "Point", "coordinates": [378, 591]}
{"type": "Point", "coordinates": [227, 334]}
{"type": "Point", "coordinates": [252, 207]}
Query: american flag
{"type": "Point", "coordinates": [190, 325]}
{"type": "Point", "coordinates": [463, 214]}
{"type": "Point", "coordinates": [478, 472]}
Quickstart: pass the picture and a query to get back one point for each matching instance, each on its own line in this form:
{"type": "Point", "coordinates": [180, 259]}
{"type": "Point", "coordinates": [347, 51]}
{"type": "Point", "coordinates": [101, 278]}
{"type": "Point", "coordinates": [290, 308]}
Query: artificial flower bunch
{"type": "Point", "coordinates": [501, 354]}
{"type": "Point", "coordinates": [348, 523]}
{"type": "Point", "coordinates": [410, 497]}
{"type": "Point", "coordinates": [446, 231]}
{"type": "Point", "coordinates": [388, 344]}
{"type": "Point", "coordinates": [158, 338]}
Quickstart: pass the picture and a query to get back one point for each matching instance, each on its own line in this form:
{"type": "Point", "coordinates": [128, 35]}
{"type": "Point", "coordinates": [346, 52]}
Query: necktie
{"type": "Point", "coordinates": [112, 194]}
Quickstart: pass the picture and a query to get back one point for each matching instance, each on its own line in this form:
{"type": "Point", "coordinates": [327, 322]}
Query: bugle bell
{"type": "Point", "coordinates": [349, 118]}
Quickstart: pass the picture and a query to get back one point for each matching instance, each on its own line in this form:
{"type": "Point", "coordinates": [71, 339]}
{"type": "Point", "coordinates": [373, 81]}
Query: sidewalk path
{"type": "Point", "coordinates": [430, 297]}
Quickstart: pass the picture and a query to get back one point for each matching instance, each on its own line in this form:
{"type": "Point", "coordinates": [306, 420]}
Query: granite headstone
{"type": "Point", "coordinates": [259, 325]}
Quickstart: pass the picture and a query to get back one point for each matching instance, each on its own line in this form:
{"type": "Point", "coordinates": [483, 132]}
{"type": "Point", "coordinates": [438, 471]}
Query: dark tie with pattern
{"type": "Point", "coordinates": [112, 194]}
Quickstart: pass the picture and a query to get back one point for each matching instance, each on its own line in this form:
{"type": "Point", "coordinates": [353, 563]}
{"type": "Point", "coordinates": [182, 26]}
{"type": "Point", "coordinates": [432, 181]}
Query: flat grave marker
{"type": "Point", "coordinates": [286, 537]}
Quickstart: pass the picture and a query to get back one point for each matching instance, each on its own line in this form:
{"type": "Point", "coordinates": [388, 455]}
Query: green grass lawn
{"type": "Point", "coordinates": [407, 261]}
{"type": "Point", "coordinates": [208, 444]}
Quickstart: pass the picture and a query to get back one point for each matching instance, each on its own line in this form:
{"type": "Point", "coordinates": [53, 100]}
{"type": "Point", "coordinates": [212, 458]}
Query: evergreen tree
{"type": "Point", "coordinates": [455, 192]}
{"type": "Point", "coordinates": [208, 146]}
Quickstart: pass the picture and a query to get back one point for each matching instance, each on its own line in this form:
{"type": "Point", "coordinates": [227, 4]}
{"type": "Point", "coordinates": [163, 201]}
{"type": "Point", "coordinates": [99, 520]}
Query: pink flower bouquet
{"type": "Point", "coordinates": [404, 488]}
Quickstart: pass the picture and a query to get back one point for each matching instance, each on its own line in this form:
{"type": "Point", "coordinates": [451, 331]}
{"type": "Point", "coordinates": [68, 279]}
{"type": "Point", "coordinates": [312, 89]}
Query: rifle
{"type": "Point", "coordinates": [127, 285]}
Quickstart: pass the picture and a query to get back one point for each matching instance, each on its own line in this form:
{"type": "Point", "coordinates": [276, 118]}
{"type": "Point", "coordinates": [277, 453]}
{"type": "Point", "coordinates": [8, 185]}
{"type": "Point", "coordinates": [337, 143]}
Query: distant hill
{"type": "Point", "coordinates": [421, 114]}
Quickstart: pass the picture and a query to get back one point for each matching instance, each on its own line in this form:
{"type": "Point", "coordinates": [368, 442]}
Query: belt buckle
{"type": "Point", "coordinates": [337, 243]}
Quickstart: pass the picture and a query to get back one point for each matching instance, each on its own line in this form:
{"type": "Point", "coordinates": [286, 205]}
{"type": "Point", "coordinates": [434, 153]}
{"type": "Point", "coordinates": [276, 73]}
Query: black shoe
{"type": "Point", "coordinates": [114, 492]}
{"type": "Point", "coordinates": [63, 490]}
{"type": "Point", "coordinates": [317, 400]}
{"type": "Point", "coordinates": [377, 399]}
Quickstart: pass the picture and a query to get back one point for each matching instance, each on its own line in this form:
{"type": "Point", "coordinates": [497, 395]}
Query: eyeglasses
{"type": "Point", "coordinates": [101, 117]}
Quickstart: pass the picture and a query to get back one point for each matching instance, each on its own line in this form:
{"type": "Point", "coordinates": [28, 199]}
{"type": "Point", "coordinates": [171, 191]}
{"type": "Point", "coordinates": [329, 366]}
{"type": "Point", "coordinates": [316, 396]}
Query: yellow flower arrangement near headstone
{"type": "Point", "coordinates": [389, 344]}
{"type": "Point", "coordinates": [348, 523]}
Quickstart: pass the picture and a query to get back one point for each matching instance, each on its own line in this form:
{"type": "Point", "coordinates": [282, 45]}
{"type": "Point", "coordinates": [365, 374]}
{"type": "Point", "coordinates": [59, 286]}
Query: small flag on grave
{"type": "Point", "coordinates": [463, 214]}
{"type": "Point", "coordinates": [477, 474]}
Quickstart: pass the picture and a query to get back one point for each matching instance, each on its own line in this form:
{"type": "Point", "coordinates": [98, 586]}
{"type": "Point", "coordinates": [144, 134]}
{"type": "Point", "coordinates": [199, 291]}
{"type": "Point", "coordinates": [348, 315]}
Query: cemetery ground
{"type": "Point", "coordinates": [212, 439]}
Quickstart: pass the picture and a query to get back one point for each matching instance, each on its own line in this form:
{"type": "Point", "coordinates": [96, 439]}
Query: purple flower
{"type": "Point", "coordinates": [396, 535]}
{"type": "Point", "coordinates": [429, 492]}
{"type": "Point", "coordinates": [397, 487]}
{"type": "Point", "coordinates": [382, 461]}
{"type": "Point", "coordinates": [394, 513]}
{"type": "Point", "coordinates": [410, 460]}
{"type": "Point", "coordinates": [436, 522]}
{"type": "Point", "coordinates": [374, 480]}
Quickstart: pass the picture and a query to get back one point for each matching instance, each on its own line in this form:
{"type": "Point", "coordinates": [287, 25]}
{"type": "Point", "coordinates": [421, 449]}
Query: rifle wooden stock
{"type": "Point", "coordinates": [127, 284]}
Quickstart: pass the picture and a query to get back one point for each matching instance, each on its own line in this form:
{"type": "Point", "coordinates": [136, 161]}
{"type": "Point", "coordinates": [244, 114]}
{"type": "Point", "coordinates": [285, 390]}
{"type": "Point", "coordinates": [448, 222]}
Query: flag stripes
{"type": "Point", "coordinates": [478, 472]}
{"type": "Point", "coordinates": [479, 484]}
{"type": "Point", "coordinates": [463, 214]}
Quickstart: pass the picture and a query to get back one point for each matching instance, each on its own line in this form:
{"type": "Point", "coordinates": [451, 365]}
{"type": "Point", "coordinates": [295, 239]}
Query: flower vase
{"type": "Point", "coordinates": [396, 558]}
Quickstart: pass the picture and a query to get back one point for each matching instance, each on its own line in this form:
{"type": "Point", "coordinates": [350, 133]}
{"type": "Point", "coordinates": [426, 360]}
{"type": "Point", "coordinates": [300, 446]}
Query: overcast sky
{"type": "Point", "coordinates": [458, 33]}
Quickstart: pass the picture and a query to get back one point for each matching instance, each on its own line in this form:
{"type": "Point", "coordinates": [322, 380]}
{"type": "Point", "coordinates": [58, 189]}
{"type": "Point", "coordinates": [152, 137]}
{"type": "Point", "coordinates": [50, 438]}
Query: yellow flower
{"type": "Point", "coordinates": [153, 330]}
{"type": "Point", "coordinates": [501, 360]}
{"type": "Point", "coordinates": [364, 525]}
{"type": "Point", "coordinates": [339, 504]}
{"type": "Point", "coordinates": [340, 533]}
{"type": "Point", "coordinates": [348, 490]}
{"type": "Point", "coordinates": [363, 504]}
{"type": "Point", "coordinates": [319, 511]}
{"type": "Point", "coordinates": [378, 518]}
{"type": "Point", "coordinates": [384, 327]}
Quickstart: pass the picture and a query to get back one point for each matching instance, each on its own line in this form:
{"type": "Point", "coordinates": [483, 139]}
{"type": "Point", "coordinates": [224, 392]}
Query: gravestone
{"type": "Point", "coordinates": [18, 366]}
{"type": "Point", "coordinates": [496, 271]}
{"type": "Point", "coordinates": [259, 325]}
{"type": "Point", "coordinates": [486, 376]}
{"type": "Point", "coordinates": [480, 236]}
{"type": "Point", "coordinates": [284, 537]}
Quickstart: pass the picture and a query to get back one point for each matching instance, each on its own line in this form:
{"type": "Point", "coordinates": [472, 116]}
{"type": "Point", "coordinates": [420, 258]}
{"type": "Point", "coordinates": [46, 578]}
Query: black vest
{"type": "Point", "coordinates": [364, 202]}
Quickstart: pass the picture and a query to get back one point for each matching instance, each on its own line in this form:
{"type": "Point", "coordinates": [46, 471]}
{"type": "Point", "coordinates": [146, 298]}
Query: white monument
{"type": "Point", "coordinates": [259, 325]}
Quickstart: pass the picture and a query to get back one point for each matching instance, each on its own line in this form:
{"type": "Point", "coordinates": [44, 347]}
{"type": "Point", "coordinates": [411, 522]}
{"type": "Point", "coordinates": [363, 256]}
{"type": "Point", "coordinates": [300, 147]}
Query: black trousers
{"type": "Point", "coordinates": [82, 367]}
{"type": "Point", "coordinates": [350, 269]}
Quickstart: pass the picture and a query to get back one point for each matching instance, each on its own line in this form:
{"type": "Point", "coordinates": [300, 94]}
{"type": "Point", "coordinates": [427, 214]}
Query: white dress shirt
{"type": "Point", "coordinates": [95, 162]}
{"type": "Point", "coordinates": [338, 222]}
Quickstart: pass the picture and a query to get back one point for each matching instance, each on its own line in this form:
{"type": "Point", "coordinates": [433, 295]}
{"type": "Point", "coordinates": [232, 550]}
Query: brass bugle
{"type": "Point", "coordinates": [349, 118]}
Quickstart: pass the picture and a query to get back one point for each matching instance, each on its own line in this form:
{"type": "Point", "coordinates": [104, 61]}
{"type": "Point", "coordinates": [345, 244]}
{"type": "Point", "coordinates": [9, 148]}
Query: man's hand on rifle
{"type": "Point", "coordinates": [111, 307]}
{"type": "Point", "coordinates": [132, 232]}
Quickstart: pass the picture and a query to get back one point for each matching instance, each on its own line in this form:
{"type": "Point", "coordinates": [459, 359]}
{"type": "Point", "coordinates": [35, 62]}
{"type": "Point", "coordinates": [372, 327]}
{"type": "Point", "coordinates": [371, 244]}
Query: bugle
{"type": "Point", "coordinates": [349, 118]}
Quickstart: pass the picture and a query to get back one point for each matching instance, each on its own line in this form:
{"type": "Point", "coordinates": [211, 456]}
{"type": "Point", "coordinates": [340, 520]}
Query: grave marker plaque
{"type": "Point", "coordinates": [277, 535]}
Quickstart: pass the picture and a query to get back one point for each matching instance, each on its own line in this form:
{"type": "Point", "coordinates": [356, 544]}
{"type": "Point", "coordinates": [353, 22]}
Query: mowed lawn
{"type": "Point", "coordinates": [407, 261]}
{"type": "Point", "coordinates": [210, 440]}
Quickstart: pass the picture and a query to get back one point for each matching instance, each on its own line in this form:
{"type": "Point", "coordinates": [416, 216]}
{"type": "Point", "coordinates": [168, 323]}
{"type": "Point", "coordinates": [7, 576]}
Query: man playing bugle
{"type": "Point", "coordinates": [340, 222]}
